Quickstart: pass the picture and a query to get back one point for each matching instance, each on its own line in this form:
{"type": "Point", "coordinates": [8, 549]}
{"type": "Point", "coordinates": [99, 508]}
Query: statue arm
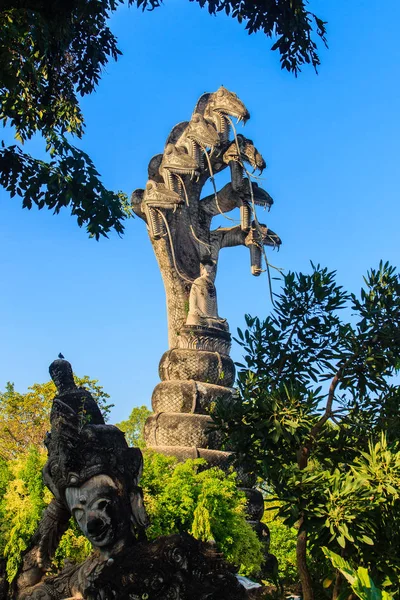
{"type": "Point", "coordinates": [37, 560]}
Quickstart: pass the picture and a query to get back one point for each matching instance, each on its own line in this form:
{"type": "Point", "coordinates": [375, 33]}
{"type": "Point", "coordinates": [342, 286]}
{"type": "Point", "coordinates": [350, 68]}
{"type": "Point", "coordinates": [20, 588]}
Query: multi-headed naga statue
{"type": "Point", "coordinates": [197, 368]}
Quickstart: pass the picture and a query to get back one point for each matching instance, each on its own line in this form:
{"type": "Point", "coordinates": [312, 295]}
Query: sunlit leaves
{"type": "Point", "coordinates": [207, 503]}
{"type": "Point", "coordinates": [293, 26]}
{"type": "Point", "coordinates": [312, 391]}
{"type": "Point", "coordinates": [359, 579]}
{"type": "Point", "coordinates": [133, 427]}
{"type": "Point", "coordinates": [22, 505]}
{"type": "Point", "coordinates": [24, 418]}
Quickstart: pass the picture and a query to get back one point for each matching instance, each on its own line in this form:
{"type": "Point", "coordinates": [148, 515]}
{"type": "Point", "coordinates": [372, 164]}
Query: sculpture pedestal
{"type": "Point", "coordinates": [196, 337]}
{"type": "Point", "coordinates": [192, 377]}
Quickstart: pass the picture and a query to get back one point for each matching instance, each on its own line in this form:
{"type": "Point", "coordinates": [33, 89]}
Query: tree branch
{"type": "Point", "coordinates": [284, 355]}
{"type": "Point", "coordinates": [304, 453]}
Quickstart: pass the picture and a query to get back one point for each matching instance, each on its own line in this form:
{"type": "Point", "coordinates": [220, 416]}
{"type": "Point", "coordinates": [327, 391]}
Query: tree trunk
{"type": "Point", "coordinates": [301, 556]}
{"type": "Point", "coordinates": [338, 585]}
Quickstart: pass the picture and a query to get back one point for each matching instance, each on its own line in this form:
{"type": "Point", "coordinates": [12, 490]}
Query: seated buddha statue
{"type": "Point", "coordinates": [203, 310]}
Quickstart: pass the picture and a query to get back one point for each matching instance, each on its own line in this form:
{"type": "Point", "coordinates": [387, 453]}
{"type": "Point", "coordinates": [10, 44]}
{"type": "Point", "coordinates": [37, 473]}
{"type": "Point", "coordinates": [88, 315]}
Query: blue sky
{"type": "Point", "coordinates": [331, 143]}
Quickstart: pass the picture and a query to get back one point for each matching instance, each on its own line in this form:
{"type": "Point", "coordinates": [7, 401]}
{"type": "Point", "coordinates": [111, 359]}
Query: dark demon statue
{"type": "Point", "coordinates": [94, 476]}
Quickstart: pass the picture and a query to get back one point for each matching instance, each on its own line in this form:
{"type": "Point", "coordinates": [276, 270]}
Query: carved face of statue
{"type": "Point", "coordinates": [99, 510]}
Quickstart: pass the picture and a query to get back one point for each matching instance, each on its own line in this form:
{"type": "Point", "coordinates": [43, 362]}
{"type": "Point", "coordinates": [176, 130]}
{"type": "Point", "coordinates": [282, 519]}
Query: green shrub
{"type": "Point", "coordinates": [205, 502]}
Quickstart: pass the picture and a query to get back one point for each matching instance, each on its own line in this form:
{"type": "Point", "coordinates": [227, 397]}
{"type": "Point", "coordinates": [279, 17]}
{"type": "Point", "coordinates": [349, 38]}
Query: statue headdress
{"type": "Point", "coordinates": [80, 444]}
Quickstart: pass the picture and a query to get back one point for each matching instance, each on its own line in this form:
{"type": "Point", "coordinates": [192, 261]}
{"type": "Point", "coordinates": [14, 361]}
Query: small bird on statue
{"type": "Point", "coordinates": [61, 355]}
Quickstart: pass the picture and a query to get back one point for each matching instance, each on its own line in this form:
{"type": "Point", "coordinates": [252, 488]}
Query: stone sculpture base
{"type": "Point", "coordinates": [182, 364]}
{"type": "Point", "coordinates": [191, 381]}
{"type": "Point", "coordinates": [195, 337]}
{"type": "Point", "coordinates": [214, 458]}
{"type": "Point", "coordinates": [176, 567]}
{"type": "Point", "coordinates": [188, 396]}
{"type": "Point", "coordinates": [193, 376]}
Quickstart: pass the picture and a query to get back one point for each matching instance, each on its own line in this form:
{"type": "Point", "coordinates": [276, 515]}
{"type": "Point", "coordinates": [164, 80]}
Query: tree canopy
{"type": "Point", "coordinates": [133, 427]}
{"type": "Point", "coordinates": [178, 497]}
{"type": "Point", "coordinates": [206, 503]}
{"type": "Point", "coordinates": [53, 52]}
{"type": "Point", "coordinates": [317, 416]}
{"type": "Point", "coordinates": [24, 418]}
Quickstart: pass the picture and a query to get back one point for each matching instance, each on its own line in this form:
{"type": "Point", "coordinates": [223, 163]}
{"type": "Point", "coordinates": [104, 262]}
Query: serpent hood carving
{"type": "Point", "coordinates": [175, 163]}
{"type": "Point", "coordinates": [239, 152]}
{"type": "Point", "coordinates": [243, 150]}
{"type": "Point", "coordinates": [194, 135]}
{"type": "Point", "coordinates": [179, 218]}
{"type": "Point", "coordinates": [219, 105]}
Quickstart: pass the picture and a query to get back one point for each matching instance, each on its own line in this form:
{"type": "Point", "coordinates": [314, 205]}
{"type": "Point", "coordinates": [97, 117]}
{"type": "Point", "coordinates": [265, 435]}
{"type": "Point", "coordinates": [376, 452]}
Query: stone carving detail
{"type": "Point", "coordinates": [203, 310]}
{"type": "Point", "coordinates": [179, 219]}
{"type": "Point", "coordinates": [179, 222]}
{"type": "Point", "coordinates": [208, 367]}
{"type": "Point", "coordinates": [195, 337]}
{"type": "Point", "coordinates": [94, 477]}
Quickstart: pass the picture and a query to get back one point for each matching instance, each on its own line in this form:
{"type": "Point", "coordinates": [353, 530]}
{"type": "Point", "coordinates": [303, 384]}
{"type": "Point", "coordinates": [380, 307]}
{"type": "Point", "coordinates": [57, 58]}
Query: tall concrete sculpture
{"type": "Point", "coordinates": [197, 369]}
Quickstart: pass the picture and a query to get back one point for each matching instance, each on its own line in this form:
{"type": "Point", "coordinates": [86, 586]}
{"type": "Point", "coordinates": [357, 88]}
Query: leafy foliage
{"type": "Point", "coordinates": [73, 547]}
{"type": "Point", "coordinates": [69, 179]}
{"type": "Point", "coordinates": [55, 51]}
{"type": "Point", "coordinates": [22, 506]}
{"type": "Point", "coordinates": [51, 52]}
{"type": "Point", "coordinates": [24, 418]}
{"type": "Point", "coordinates": [290, 22]}
{"type": "Point", "coordinates": [179, 498]}
{"type": "Point", "coordinates": [182, 497]}
{"type": "Point", "coordinates": [283, 546]}
{"type": "Point", "coordinates": [133, 427]}
{"type": "Point", "coordinates": [360, 581]}
{"type": "Point", "coordinates": [5, 477]}
{"type": "Point", "coordinates": [312, 392]}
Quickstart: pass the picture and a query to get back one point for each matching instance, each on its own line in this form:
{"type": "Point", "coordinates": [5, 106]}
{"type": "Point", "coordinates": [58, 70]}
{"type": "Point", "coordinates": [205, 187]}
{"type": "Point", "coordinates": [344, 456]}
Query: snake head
{"type": "Point", "coordinates": [243, 150]}
{"type": "Point", "coordinates": [223, 104]}
{"type": "Point", "coordinates": [261, 235]}
{"type": "Point", "coordinates": [228, 103]}
{"type": "Point", "coordinates": [157, 195]}
{"type": "Point", "coordinates": [201, 132]}
{"type": "Point", "coordinates": [178, 161]}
